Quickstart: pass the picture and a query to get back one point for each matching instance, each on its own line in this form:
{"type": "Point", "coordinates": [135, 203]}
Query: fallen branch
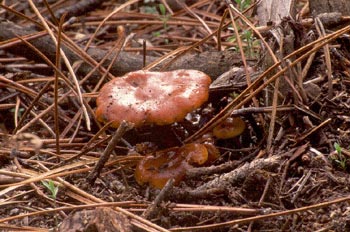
{"type": "Point", "coordinates": [213, 63]}
{"type": "Point", "coordinates": [238, 175]}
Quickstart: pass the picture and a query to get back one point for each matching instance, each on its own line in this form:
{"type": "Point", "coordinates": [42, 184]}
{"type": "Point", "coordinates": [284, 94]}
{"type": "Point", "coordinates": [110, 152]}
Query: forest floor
{"type": "Point", "coordinates": [288, 170]}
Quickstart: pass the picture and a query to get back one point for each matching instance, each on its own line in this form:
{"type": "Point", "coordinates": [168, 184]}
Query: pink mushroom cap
{"type": "Point", "coordinates": [145, 97]}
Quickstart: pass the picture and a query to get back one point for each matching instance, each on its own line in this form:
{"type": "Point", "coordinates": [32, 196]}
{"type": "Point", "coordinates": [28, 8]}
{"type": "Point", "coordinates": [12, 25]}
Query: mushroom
{"type": "Point", "coordinates": [145, 97]}
{"type": "Point", "coordinates": [161, 98]}
{"type": "Point", "coordinates": [230, 128]}
{"type": "Point", "coordinates": [172, 163]}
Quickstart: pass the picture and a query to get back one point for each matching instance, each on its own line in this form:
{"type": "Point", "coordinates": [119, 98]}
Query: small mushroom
{"type": "Point", "coordinates": [171, 163]}
{"type": "Point", "coordinates": [230, 128]}
{"type": "Point", "coordinates": [213, 153]}
{"type": "Point", "coordinates": [145, 97]}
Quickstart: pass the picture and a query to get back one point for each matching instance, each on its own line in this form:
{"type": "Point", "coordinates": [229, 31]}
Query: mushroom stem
{"type": "Point", "coordinates": [122, 129]}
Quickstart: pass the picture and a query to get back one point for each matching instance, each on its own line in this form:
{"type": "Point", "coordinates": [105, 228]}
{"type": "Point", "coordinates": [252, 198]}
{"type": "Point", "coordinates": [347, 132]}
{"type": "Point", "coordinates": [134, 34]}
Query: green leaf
{"type": "Point", "coordinates": [46, 184]}
{"type": "Point", "coordinates": [162, 9]}
{"type": "Point", "coordinates": [337, 148]}
{"type": "Point", "coordinates": [54, 192]}
{"type": "Point", "coordinates": [50, 185]}
{"type": "Point", "coordinates": [156, 34]}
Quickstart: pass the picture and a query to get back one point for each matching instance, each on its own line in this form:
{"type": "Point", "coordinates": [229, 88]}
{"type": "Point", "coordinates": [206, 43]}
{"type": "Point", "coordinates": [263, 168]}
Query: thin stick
{"type": "Point", "coordinates": [220, 28]}
{"type": "Point", "coordinates": [58, 65]}
{"type": "Point", "coordinates": [150, 212]}
{"type": "Point", "coordinates": [144, 50]}
{"type": "Point", "coordinates": [124, 127]}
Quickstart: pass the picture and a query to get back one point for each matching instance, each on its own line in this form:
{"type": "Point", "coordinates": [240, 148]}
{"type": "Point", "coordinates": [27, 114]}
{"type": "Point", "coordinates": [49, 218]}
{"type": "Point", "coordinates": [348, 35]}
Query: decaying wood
{"type": "Point", "coordinates": [213, 63]}
{"type": "Point", "coordinates": [328, 6]}
{"type": "Point", "coordinates": [238, 175]}
{"type": "Point", "coordinates": [80, 8]}
{"type": "Point", "coordinates": [273, 11]}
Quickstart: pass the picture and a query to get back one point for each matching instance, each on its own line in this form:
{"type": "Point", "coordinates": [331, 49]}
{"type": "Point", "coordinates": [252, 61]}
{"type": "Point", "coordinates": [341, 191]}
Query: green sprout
{"type": "Point", "coordinates": [234, 95]}
{"type": "Point", "coordinates": [150, 10]}
{"type": "Point", "coordinates": [156, 34]}
{"type": "Point", "coordinates": [337, 148]}
{"type": "Point", "coordinates": [341, 160]}
{"type": "Point", "coordinates": [249, 39]}
{"type": "Point", "coordinates": [20, 111]}
{"type": "Point", "coordinates": [164, 17]}
{"type": "Point", "coordinates": [243, 4]}
{"type": "Point", "coordinates": [162, 9]}
{"type": "Point", "coordinates": [50, 185]}
{"type": "Point", "coordinates": [148, 1]}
